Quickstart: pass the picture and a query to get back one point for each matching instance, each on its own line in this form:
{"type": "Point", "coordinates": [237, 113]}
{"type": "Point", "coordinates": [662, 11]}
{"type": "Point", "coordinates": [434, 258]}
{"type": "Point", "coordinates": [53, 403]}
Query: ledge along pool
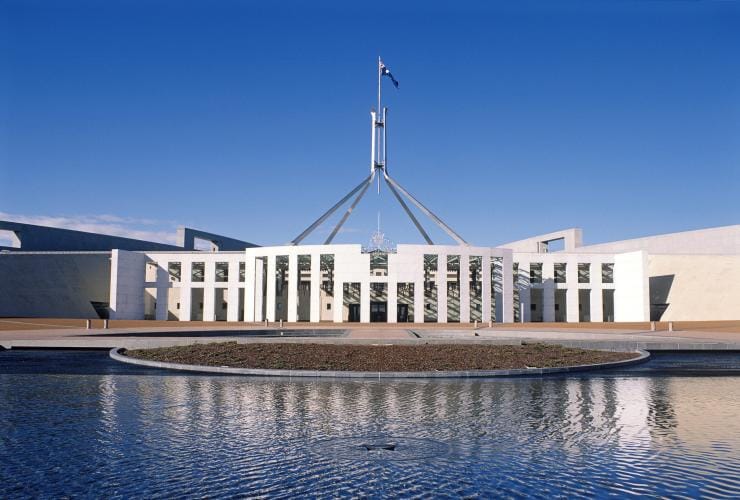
{"type": "Point", "coordinates": [76, 423]}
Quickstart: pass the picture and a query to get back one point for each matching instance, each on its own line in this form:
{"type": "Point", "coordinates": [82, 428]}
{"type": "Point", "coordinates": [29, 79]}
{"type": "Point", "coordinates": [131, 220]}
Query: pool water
{"type": "Point", "coordinates": [77, 424]}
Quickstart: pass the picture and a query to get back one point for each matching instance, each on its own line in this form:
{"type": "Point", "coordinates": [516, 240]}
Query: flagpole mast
{"type": "Point", "coordinates": [379, 87]}
{"type": "Point", "coordinates": [376, 132]}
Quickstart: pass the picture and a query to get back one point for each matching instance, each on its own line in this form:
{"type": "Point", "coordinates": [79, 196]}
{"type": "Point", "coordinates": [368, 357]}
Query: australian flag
{"type": "Point", "coordinates": [386, 72]}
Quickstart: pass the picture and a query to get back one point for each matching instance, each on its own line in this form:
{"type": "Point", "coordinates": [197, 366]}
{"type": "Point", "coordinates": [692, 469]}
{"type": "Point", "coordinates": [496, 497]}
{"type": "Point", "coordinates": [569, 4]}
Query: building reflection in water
{"type": "Point", "coordinates": [572, 415]}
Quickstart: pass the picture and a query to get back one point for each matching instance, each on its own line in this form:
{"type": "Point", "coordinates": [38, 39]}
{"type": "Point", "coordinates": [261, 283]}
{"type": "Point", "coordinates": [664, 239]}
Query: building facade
{"type": "Point", "coordinates": [693, 275]}
{"type": "Point", "coordinates": [413, 284]}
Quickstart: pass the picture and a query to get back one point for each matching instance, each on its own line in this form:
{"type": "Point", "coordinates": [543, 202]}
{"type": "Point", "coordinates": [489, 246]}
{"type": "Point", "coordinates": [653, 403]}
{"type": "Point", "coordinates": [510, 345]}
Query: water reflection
{"type": "Point", "coordinates": [128, 434]}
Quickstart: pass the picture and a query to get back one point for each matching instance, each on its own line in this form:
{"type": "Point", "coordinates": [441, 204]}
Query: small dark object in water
{"type": "Point", "coordinates": [379, 446]}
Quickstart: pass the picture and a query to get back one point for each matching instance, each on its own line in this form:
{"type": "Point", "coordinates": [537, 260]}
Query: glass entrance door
{"type": "Point", "coordinates": [379, 312]}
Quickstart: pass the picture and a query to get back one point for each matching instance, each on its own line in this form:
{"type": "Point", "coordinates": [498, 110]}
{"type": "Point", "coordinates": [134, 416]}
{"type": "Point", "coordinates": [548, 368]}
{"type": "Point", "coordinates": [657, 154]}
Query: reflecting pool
{"type": "Point", "coordinates": [75, 423]}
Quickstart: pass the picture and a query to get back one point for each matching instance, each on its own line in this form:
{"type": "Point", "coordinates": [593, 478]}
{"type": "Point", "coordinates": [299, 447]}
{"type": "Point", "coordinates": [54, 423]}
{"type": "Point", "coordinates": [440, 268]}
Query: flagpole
{"type": "Point", "coordinates": [379, 78]}
{"type": "Point", "coordinates": [377, 132]}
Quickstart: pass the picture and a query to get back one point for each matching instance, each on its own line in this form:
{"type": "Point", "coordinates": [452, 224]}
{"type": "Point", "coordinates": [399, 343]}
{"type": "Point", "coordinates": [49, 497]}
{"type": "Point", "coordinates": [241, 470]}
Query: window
{"type": "Point", "coordinates": [222, 272]}
{"type": "Point", "coordinates": [174, 269]}
{"type": "Point", "coordinates": [328, 307]}
{"type": "Point", "coordinates": [560, 268]}
{"type": "Point", "coordinates": [281, 274]}
{"type": "Point", "coordinates": [242, 272]}
{"type": "Point", "coordinates": [535, 272]}
{"type": "Point", "coordinates": [584, 273]}
{"type": "Point", "coordinates": [326, 265]}
{"type": "Point", "coordinates": [198, 272]}
{"type": "Point", "coordinates": [475, 264]}
{"type": "Point", "coordinates": [453, 263]}
{"type": "Point", "coordinates": [378, 263]}
{"type": "Point", "coordinates": [607, 273]}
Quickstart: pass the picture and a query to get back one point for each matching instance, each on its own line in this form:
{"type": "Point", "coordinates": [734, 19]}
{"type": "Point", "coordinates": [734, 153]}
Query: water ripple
{"type": "Point", "coordinates": [119, 434]}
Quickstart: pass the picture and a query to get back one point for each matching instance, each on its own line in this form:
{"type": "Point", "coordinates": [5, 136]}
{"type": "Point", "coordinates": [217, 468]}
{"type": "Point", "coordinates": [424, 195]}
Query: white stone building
{"type": "Point", "coordinates": [622, 281]}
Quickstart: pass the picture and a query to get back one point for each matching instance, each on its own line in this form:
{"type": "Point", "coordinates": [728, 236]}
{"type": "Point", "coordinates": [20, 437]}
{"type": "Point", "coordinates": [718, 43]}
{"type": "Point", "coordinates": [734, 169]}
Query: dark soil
{"type": "Point", "coordinates": [370, 358]}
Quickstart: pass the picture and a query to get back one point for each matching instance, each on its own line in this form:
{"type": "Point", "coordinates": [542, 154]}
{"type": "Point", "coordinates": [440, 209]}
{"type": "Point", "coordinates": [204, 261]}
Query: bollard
{"type": "Point", "coordinates": [476, 325]}
{"type": "Point", "coordinates": [88, 324]}
{"type": "Point", "coordinates": [652, 326]}
{"type": "Point", "coordinates": [105, 324]}
{"type": "Point", "coordinates": [281, 323]}
{"type": "Point", "coordinates": [266, 323]}
{"type": "Point", "coordinates": [670, 326]}
{"type": "Point", "coordinates": [490, 324]}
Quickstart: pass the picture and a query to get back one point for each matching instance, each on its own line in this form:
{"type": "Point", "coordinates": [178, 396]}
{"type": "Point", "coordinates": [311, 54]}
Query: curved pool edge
{"type": "Point", "coordinates": [263, 372]}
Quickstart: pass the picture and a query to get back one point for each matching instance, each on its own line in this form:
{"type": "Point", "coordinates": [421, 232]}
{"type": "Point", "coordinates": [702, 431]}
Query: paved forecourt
{"type": "Point", "coordinates": [161, 334]}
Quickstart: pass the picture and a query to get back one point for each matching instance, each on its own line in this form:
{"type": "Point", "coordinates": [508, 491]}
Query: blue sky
{"type": "Point", "coordinates": [250, 119]}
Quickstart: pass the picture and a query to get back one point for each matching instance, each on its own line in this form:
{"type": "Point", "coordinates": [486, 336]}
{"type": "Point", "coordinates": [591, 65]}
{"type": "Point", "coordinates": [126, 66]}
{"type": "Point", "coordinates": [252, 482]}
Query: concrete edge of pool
{"type": "Point", "coordinates": [261, 372]}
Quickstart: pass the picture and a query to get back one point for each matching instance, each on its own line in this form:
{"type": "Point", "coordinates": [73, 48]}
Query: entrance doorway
{"type": "Point", "coordinates": [354, 313]}
{"type": "Point", "coordinates": [402, 313]}
{"type": "Point", "coordinates": [378, 312]}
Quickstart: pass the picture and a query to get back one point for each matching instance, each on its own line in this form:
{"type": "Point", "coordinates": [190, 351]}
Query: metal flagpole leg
{"type": "Point", "coordinates": [428, 212]}
{"type": "Point", "coordinates": [385, 139]}
{"type": "Point", "coordinates": [408, 211]}
{"type": "Point", "coordinates": [328, 213]}
{"type": "Point", "coordinates": [349, 210]}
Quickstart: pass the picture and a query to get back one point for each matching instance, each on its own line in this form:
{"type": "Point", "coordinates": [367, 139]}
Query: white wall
{"type": "Point", "coordinates": [572, 239]}
{"type": "Point", "coordinates": [702, 287]}
{"type": "Point", "coordinates": [631, 295]}
{"type": "Point", "coordinates": [128, 273]}
{"type": "Point", "coordinates": [713, 241]}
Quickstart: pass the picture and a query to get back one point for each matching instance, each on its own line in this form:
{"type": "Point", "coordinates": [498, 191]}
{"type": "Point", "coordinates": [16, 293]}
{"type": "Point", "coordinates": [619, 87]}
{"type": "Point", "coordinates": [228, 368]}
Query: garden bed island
{"type": "Point", "coordinates": [378, 358]}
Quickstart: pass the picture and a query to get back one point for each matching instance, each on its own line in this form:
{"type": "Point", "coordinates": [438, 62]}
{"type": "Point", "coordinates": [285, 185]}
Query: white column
{"type": "Point", "coordinates": [571, 295]}
{"type": "Point", "coordinates": [293, 278]}
{"type": "Point", "coordinates": [338, 304]}
{"type": "Point", "coordinates": [259, 283]}
{"type": "Point", "coordinates": [209, 277]}
{"type": "Point", "coordinates": [485, 277]}
{"type": "Point", "coordinates": [186, 299]}
{"type": "Point", "coordinates": [232, 313]}
{"type": "Point", "coordinates": [548, 292]}
{"type": "Point", "coordinates": [315, 288]}
{"type": "Point", "coordinates": [392, 300]}
{"type": "Point", "coordinates": [271, 264]}
{"type": "Point", "coordinates": [209, 309]}
{"type": "Point", "coordinates": [464, 288]}
{"type": "Point", "coordinates": [365, 301]}
{"type": "Point", "coordinates": [419, 301]}
{"type": "Point", "coordinates": [162, 289]}
{"type": "Point", "coordinates": [232, 294]}
{"type": "Point", "coordinates": [525, 296]}
{"type": "Point", "coordinates": [442, 288]}
{"type": "Point", "coordinates": [548, 303]}
{"type": "Point", "coordinates": [250, 281]}
{"type": "Point", "coordinates": [186, 294]}
{"type": "Point", "coordinates": [597, 303]}
{"type": "Point", "coordinates": [508, 286]}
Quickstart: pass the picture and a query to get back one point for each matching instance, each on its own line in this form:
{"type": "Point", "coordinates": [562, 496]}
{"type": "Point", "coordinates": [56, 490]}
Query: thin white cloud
{"type": "Point", "coordinates": [104, 224]}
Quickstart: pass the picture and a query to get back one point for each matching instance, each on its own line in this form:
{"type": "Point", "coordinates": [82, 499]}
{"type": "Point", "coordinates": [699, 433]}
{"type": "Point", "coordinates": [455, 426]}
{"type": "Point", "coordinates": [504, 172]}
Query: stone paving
{"type": "Point", "coordinates": [70, 336]}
